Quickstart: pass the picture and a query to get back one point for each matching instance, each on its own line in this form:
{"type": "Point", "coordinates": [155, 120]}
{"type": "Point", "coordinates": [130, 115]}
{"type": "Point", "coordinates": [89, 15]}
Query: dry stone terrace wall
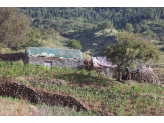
{"type": "Point", "coordinates": [12, 56]}
{"type": "Point", "coordinates": [145, 73]}
{"type": "Point", "coordinates": [145, 77]}
{"type": "Point", "coordinates": [19, 91]}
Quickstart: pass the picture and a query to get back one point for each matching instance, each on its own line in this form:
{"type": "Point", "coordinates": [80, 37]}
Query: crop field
{"type": "Point", "coordinates": [97, 92]}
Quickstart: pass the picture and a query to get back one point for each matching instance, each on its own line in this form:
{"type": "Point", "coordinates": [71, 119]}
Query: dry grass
{"type": "Point", "coordinates": [14, 107]}
{"type": "Point", "coordinates": [17, 108]}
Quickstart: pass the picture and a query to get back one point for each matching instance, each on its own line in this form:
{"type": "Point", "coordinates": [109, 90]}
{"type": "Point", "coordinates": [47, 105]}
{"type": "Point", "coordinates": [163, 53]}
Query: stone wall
{"type": "Point", "coordinates": [144, 73]}
{"type": "Point", "coordinates": [37, 96]}
{"type": "Point", "coordinates": [12, 56]}
{"type": "Point", "coordinates": [57, 62]}
{"type": "Point", "coordinates": [20, 91]}
{"type": "Point", "coordinates": [151, 78]}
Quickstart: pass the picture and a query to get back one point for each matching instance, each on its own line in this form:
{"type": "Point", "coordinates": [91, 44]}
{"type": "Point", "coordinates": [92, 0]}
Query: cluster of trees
{"type": "Point", "coordinates": [146, 20]}
{"type": "Point", "coordinates": [148, 30]}
{"type": "Point", "coordinates": [16, 33]}
{"type": "Point", "coordinates": [13, 28]}
{"type": "Point", "coordinates": [119, 16]}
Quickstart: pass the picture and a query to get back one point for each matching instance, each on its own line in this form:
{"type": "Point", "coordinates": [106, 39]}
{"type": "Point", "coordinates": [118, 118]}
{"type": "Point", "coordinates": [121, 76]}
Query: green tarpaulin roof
{"type": "Point", "coordinates": [54, 52]}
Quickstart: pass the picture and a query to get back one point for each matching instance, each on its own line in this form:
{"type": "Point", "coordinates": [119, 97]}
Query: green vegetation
{"type": "Point", "coordinates": [74, 44]}
{"type": "Point", "coordinates": [128, 50]}
{"type": "Point", "coordinates": [129, 28]}
{"type": "Point", "coordinates": [80, 27]}
{"type": "Point", "coordinates": [13, 28]}
{"type": "Point", "coordinates": [84, 23]}
{"type": "Point", "coordinates": [99, 93]}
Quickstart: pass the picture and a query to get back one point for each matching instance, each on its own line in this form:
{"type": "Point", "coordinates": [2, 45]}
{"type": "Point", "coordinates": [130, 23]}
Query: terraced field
{"type": "Point", "coordinates": [99, 94]}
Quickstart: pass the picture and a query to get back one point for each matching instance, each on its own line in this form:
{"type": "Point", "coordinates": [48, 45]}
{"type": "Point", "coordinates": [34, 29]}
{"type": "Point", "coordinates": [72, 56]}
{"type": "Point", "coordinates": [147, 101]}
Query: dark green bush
{"type": "Point", "coordinates": [74, 44]}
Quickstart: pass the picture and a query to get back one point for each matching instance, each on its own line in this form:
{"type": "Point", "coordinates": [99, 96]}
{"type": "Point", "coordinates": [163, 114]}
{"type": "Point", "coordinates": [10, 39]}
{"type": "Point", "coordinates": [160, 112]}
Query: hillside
{"type": "Point", "coordinates": [91, 93]}
{"type": "Point", "coordinates": [118, 16]}
{"type": "Point", "coordinates": [89, 25]}
{"type": "Point", "coordinates": [55, 91]}
{"type": "Point", "coordinates": [99, 94]}
{"type": "Point", "coordinates": [104, 36]}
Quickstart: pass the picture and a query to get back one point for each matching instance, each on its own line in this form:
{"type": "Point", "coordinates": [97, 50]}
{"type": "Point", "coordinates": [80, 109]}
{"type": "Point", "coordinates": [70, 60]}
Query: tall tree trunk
{"type": "Point", "coordinates": [120, 76]}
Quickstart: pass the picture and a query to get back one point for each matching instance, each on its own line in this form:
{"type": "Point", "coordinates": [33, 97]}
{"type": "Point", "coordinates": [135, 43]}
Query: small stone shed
{"type": "Point", "coordinates": [54, 57]}
{"type": "Point", "coordinates": [104, 65]}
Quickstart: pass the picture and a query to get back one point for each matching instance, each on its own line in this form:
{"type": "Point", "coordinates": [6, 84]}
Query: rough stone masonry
{"type": "Point", "coordinates": [20, 91]}
{"type": "Point", "coordinates": [145, 73]}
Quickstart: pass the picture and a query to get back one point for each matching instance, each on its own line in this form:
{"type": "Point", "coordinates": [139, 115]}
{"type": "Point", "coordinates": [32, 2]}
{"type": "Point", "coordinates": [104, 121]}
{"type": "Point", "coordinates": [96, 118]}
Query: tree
{"type": "Point", "coordinates": [144, 28]}
{"type": "Point", "coordinates": [34, 39]}
{"type": "Point", "coordinates": [129, 28]}
{"type": "Point", "coordinates": [136, 28]}
{"type": "Point", "coordinates": [74, 44]}
{"type": "Point", "coordinates": [129, 49]}
{"type": "Point", "coordinates": [13, 27]}
{"type": "Point", "coordinates": [149, 34]}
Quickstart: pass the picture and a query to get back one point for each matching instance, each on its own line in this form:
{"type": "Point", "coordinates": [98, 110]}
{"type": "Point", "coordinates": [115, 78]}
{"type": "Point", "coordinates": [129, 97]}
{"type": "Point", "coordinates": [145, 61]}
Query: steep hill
{"type": "Point", "coordinates": [83, 23]}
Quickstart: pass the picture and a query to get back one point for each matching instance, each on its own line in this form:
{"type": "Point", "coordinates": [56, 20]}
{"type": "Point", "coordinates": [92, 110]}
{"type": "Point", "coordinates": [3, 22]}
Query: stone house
{"type": "Point", "coordinates": [54, 57]}
{"type": "Point", "coordinates": [101, 64]}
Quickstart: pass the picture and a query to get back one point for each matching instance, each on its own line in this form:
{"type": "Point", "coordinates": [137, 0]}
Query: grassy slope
{"type": "Point", "coordinates": [10, 107]}
{"type": "Point", "coordinates": [143, 100]}
{"type": "Point", "coordinates": [106, 36]}
{"type": "Point", "coordinates": [14, 107]}
{"type": "Point", "coordinates": [87, 36]}
{"type": "Point", "coordinates": [59, 42]}
{"type": "Point", "coordinates": [97, 93]}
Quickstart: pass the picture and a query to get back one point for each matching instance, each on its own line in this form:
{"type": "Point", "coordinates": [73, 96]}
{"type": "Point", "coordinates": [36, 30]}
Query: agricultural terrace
{"type": "Point", "coordinates": [97, 92]}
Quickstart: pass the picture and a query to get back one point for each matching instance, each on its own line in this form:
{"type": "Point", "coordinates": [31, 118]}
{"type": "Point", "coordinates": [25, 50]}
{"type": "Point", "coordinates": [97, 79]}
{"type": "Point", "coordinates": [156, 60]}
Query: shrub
{"type": "Point", "coordinates": [74, 44]}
